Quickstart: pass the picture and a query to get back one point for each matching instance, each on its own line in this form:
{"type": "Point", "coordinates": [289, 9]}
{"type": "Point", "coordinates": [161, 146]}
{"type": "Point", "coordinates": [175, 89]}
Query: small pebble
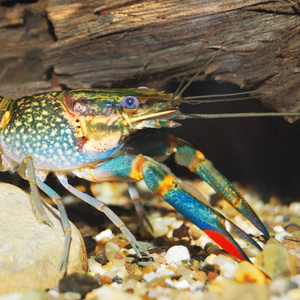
{"type": "Point", "coordinates": [281, 235]}
{"type": "Point", "coordinates": [104, 234]}
{"type": "Point", "coordinates": [111, 293]}
{"type": "Point", "coordinates": [30, 295]}
{"type": "Point", "coordinates": [134, 269]}
{"type": "Point", "coordinates": [246, 272]}
{"type": "Point", "coordinates": [117, 279]}
{"type": "Point", "coordinates": [142, 259]}
{"type": "Point", "coordinates": [149, 277]}
{"type": "Point", "coordinates": [122, 273]}
{"type": "Point", "coordinates": [294, 208]}
{"type": "Point", "coordinates": [290, 228]}
{"type": "Point", "coordinates": [226, 263]}
{"type": "Point", "coordinates": [177, 254]}
{"type": "Point", "coordinates": [199, 276]}
{"type": "Point", "coordinates": [111, 250]}
{"type": "Point", "coordinates": [212, 275]}
{"type": "Point", "coordinates": [71, 296]}
{"type": "Point", "coordinates": [101, 258]}
{"type": "Point", "coordinates": [181, 232]}
{"type": "Point", "coordinates": [294, 294]}
{"type": "Point", "coordinates": [210, 259]}
{"type": "Point", "coordinates": [95, 267]}
{"type": "Point", "coordinates": [161, 225]}
{"type": "Point", "coordinates": [81, 283]}
{"type": "Point", "coordinates": [111, 247]}
{"type": "Point", "coordinates": [278, 229]}
{"type": "Point", "coordinates": [228, 289]}
{"type": "Point", "coordinates": [169, 282]}
{"type": "Point", "coordinates": [278, 286]}
{"type": "Point", "coordinates": [182, 284]}
{"type": "Point", "coordinates": [196, 286]}
{"type": "Point", "coordinates": [105, 280]}
{"type": "Point", "coordinates": [277, 261]}
{"type": "Point", "coordinates": [296, 279]}
{"type": "Point", "coordinates": [163, 271]}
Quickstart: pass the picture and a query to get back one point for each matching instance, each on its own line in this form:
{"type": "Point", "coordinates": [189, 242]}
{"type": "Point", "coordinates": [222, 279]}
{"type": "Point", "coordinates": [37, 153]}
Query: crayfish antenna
{"type": "Point", "coordinates": [180, 90]}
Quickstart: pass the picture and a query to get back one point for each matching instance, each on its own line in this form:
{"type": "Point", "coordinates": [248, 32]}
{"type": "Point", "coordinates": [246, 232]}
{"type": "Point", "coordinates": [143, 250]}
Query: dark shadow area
{"type": "Point", "coordinates": [259, 152]}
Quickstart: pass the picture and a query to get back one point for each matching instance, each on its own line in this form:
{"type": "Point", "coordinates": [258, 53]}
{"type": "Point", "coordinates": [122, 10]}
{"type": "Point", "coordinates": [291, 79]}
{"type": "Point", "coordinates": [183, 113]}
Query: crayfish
{"type": "Point", "coordinates": [88, 132]}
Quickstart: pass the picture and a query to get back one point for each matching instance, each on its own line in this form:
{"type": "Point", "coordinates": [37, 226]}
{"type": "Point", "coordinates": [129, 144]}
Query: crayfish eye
{"type": "Point", "coordinates": [130, 102]}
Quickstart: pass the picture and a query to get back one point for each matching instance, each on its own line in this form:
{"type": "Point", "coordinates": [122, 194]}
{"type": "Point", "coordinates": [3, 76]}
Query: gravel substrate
{"type": "Point", "coordinates": [183, 263]}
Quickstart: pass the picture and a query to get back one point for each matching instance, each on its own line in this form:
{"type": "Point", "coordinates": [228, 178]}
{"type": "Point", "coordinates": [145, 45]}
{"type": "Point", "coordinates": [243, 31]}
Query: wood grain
{"type": "Point", "coordinates": [48, 45]}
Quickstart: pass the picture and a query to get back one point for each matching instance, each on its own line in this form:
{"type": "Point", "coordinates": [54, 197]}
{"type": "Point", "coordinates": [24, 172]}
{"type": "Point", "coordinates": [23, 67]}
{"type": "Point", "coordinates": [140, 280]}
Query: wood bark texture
{"type": "Point", "coordinates": [54, 44]}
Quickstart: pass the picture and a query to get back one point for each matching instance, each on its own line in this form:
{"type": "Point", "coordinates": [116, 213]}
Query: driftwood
{"type": "Point", "coordinates": [51, 44]}
{"type": "Point", "coordinates": [54, 44]}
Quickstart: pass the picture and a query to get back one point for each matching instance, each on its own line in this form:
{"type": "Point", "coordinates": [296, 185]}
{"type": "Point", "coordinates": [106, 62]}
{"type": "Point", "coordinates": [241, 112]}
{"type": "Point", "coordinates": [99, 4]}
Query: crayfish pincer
{"type": "Point", "coordinates": [87, 132]}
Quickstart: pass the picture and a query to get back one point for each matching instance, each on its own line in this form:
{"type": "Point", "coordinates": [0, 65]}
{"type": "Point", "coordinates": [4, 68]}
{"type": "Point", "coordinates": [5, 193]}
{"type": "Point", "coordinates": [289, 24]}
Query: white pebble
{"type": "Point", "coordinates": [163, 271]}
{"type": "Point", "coordinates": [227, 265]}
{"type": "Point", "coordinates": [182, 284]}
{"type": "Point", "coordinates": [131, 251]}
{"type": "Point", "coordinates": [296, 279]}
{"type": "Point", "coordinates": [96, 267]}
{"type": "Point", "coordinates": [122, 273]}
{"type": "Point", "coordinates": [113, 291]}
{"type": "Point", "coordinates": [12, 296]}
{"type": "Point", "coordinates": [228, 270]}
{"type": "Point", "coordinates": [281, 235]}
{"type": "Point", "coordinates": [294, 208]}
{"type": "Point", "coordinates": [72, 296]}
{"type": "Point", "coordinates": [52, 294]}
{"type": "Point", "coordinates": [203, 240]}
{"type": "Point", "coordinates": [177, 254]}
{"type": "Point", "coordinates": [149, 277]}
{"type": "Point", "coordinates": [278, 219]}
{"type": "Point", "coordinates": [161, 225]}
{"type": "Point", "coordinates": [169, 282]}
{"type": "Point", "coordinates": [294, 294]}
{"type": "Point", "coordinates": [104, 234]}
{"type": "Point", "coordinates": [111, 247]}
{"type": "Point", "coordinates": [278, 229]}
{"type": "Point", "coordinates": [211, 259]}
{"type": "Point", "coordinates": [278, 286]}
{"type": "Point", "coordinates": [196, 286]}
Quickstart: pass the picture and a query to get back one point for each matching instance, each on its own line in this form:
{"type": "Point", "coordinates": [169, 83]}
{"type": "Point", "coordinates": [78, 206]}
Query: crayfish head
{"type": "Point", "coordinates": [105, 116]}
{"type": "Point", "coordinates": [147, 108]}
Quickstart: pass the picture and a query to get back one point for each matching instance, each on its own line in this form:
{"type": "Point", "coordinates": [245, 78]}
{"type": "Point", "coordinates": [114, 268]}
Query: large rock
{"type": "Point", "coordinates": [30, 252]}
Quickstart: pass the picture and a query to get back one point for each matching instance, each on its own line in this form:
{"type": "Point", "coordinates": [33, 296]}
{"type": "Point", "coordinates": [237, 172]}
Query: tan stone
{"type": "Point", "coordinates": [276, 260]}
{"type": "Point", "coordinates": [231, 290]}
{"type": "Point", "coordinates": [246, 272]}
{"type": "Point", "coordinates": [29, 251]}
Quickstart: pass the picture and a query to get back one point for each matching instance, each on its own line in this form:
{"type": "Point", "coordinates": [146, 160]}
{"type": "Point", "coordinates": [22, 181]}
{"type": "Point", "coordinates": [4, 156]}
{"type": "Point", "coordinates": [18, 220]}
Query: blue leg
{"type": "Point", "coordinates": [35, 182]}
{"type": "Point", "coordinates": [65, 222]}
{"type": "Point", "coordinates": [140, 210]}
{"type": "Point", "coordinates": [161, 146]}
{"type": "Point", "coordinates": [167, 187]}
{"type": "Point", "coordinates": [37, 204]}
{"type": "Point", "coordinates": [101, 206]}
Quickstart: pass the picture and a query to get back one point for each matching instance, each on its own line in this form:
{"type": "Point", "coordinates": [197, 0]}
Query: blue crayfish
{"type": "Point", "coordinates": [87, 132]}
